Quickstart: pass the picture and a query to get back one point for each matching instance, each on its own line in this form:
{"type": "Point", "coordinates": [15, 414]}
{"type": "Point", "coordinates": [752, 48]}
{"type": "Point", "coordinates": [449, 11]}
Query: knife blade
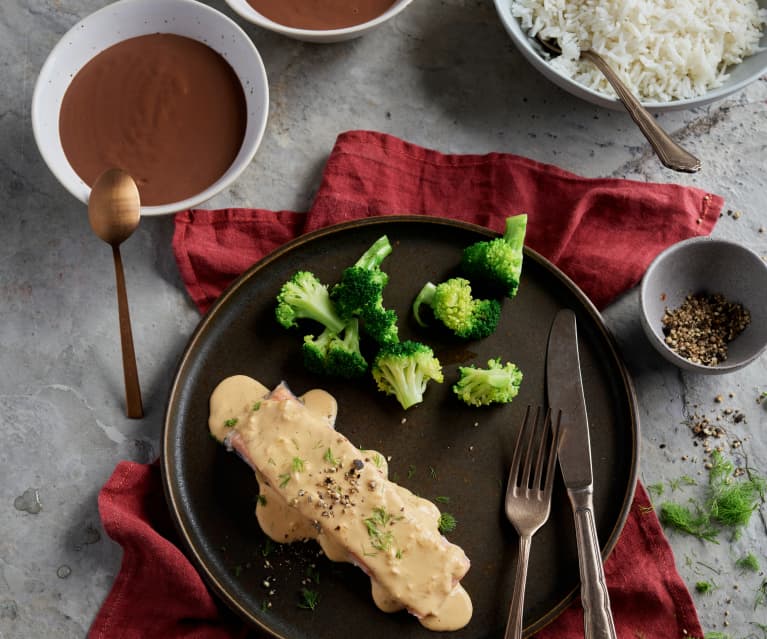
{"type": "Point", "coordinates": [564, 388]}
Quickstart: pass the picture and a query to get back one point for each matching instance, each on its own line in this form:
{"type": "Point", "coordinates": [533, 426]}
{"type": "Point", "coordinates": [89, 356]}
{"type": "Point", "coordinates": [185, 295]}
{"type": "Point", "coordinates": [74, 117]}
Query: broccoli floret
{"type": "Point", "coordinates": [482, 386]}
{"type": "Point", "coordinates": [304, 296]}
{"type": "Point", "coordinates": [375, 255]}
{"type": "Point", "coordinates": [382, 326]}
{"type": "Point", "coordinates": [357, 290]}
{"type": "Point", "coordinates": [453, 305]}
{"type": "Point", "coordinates": [344, 356]}
{"type": "Point", "coordinates": [362, 283]}
{"type": "Point", "coordinates": [403, 369]}
{"type": "Point", "coordinates": [333, 355]}
{"type": "Point", "coordinates": [315, 351]}
{"type": "Point", "coordinates": [498, 262]}
{"type": "Point", "coordinates": [359, 293]}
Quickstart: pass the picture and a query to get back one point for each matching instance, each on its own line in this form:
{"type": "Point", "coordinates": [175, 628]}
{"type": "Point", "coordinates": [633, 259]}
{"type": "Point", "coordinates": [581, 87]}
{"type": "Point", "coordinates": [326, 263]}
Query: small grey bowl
{"type": "Point", "coordinates": [708, 266]}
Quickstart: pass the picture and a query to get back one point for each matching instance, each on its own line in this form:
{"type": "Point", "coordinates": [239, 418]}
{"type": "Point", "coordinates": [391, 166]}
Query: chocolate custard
{"type": "Point", "coordinates": [167, 109]}
{"type": "Point", "coordinates": [320, 14]}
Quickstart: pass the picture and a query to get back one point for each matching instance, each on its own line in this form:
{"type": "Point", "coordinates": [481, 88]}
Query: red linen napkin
{"type": "Point", "coordinates": [602, 232]}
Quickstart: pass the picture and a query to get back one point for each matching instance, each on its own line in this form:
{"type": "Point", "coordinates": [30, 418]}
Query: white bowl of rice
{"type": "Point", "coordinates": [673, 55]}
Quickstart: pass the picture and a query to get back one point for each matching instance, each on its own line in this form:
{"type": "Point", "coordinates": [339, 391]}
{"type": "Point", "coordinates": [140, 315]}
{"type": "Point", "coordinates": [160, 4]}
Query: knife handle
{"type": "Point", "coordinates": [597, 617]}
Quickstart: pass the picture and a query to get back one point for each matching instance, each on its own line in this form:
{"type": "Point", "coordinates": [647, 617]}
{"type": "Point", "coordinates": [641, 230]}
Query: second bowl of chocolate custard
{"type": "Point", "coordinates": [178, 100]}
{"type": "Point", "coordinates": [319, 20]}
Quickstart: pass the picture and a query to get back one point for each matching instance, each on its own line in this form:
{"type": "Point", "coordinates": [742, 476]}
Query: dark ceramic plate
{"type": "Point", "coordinates": [440, 448]}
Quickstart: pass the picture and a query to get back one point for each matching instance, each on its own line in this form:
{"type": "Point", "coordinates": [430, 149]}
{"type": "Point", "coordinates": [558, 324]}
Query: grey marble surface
{"type": "Point", "coordinates": [443, 75]}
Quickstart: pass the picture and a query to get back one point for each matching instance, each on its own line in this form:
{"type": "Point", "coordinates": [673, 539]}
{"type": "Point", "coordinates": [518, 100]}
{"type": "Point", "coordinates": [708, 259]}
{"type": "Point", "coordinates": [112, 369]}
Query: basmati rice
{"type": "Point", "coordinates": [663, 49]}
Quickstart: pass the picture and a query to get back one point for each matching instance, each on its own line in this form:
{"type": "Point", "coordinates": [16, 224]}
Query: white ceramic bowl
{"type": "Point", "coordinates": [127, 19]}
{"type": "Point", "coordinates": [705, 265]}
{"type": "Point", "coordinates": [751, 69]}
{"type": "Point", "coordinates": [244, 9]}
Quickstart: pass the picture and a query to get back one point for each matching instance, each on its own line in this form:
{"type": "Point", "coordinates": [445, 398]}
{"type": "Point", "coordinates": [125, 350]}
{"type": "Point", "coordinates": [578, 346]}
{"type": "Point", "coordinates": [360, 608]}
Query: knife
{"type": "Point", "coordinates": [565, 394]}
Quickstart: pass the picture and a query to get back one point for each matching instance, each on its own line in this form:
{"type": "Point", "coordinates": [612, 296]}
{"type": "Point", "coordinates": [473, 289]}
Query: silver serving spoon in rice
{"type": "Point", "coordinates": [669, 152]}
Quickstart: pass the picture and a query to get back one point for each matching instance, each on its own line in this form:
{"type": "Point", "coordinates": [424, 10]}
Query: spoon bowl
{"type": "Point", "coordinates": [114, 212]}
{"type": "Point", "coordinates": [114, 207]}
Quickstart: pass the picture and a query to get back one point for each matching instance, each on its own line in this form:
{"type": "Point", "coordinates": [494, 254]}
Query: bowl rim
{"type": "Point", "coordinates": [78, 188]}
{"type": "Point", "coordinates": [246, 11]}
{"type": "Point", "coordinates": [524, 44]}
{"type": "Point", "coordinates": [653, 337]}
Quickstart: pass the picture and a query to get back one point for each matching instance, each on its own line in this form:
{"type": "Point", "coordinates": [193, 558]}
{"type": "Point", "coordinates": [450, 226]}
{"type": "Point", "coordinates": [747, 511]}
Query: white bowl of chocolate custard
{"type": "Point", "coordinates": [171, 91]}
{"type": "Point", "coordinates": [321, 21]}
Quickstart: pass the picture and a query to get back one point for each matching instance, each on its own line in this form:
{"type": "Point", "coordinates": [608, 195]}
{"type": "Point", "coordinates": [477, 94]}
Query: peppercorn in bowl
{"type": "Point", "coordinates": [703, 305]}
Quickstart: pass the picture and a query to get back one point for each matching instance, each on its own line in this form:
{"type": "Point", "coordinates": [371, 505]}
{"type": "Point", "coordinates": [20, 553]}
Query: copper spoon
{"type": "Point", "coordinates": [669, 152]}
{"type": "Point", "coordinates": [114, 210]}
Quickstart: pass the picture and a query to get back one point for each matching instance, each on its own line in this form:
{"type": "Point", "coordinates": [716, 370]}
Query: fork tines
{"type": "Point", "coordinates": [537, 439]}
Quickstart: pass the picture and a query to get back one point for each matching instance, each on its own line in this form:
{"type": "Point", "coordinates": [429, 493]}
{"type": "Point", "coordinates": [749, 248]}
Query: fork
{"type": "Point", "coordinates": [528, 500]}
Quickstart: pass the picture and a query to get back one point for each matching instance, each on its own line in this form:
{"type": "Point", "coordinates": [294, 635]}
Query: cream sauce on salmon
{"type": "Point", "coordinates": [317, 485]}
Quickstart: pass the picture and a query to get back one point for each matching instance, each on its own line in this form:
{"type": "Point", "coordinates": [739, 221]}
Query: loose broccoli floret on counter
{"type": "Point", "coordinates": [498, 262]}
{"type": "Point", "coordinates": [452, 304]}
{"type": "Point", "coordinates": [304, 296]}
{"type": "Point", "coordinates": [335, 355]}
{"type": "Point", "coordinates": [482, 386]}
{"type": "Point", "coordinates": [359, 293]}
{"type": "Point", "coordinates": [404, 369]}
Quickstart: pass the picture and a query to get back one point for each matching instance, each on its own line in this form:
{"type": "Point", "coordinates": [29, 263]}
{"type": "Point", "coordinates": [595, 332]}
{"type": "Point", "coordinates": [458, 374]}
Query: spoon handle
{"type": "Point", "coordinates": [134, 408]}
{"type": "Point", "coordinates": [670, 153]}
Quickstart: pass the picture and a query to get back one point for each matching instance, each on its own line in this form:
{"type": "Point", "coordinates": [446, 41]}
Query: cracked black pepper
{"type": "Point", "coordinates": [700, 329]}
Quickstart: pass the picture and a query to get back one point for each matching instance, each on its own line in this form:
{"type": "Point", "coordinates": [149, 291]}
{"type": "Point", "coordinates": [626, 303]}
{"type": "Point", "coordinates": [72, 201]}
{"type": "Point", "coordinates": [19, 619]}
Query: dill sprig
{"type": "Point", "coordinates": [733, 504]}
{"type": "Point", "coordinates": [447, 523]}
{"type": "Point", "coordinates": [729, 503]}
{"type": "Point", "coordinates": [674, 484]}
{"type": "Point", "coordinates": [748, 562]}
{"type": "Point", "coordinates": [309, 599]}
{"type": "Point", "coordinates": [682, 519]}
{"type": "Point", "coordinates": [328, 457]}
{"type": "Point", "coordinates": [761, 594]}
{"type": "Point", "coordinates": [720, 470]}
{"type": "Point", "coordinates": [380, 538]}
{"type": "Point", "coordinates": [705, 587]}
{"type": "Point", "coordinates": [656, 489]}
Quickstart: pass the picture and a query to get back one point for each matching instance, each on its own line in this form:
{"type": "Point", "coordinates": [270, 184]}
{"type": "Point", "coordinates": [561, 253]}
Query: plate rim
{"type": "Point", "coordinates": [172, 501]}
